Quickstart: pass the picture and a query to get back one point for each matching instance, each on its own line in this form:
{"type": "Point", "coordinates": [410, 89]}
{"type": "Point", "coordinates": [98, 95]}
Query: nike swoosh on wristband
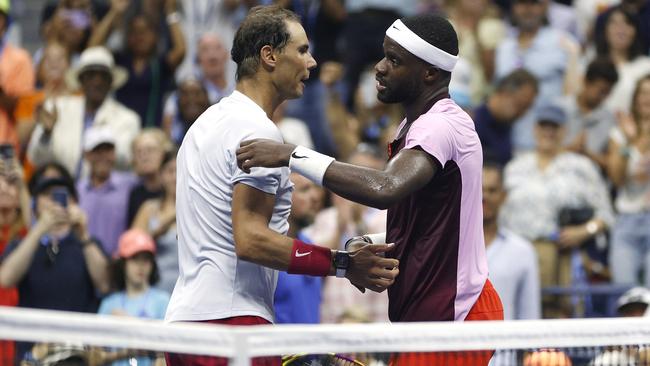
{"type": "Point", "coordinates": [296, 156]}
{"type": "Point", "coordinates": [298, 254]}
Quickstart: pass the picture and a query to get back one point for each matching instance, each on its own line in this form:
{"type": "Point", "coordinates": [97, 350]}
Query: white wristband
{"type": "Point", "coordinates": [379, 238]}
{"type": "Point", "coordinates": [310, 164]}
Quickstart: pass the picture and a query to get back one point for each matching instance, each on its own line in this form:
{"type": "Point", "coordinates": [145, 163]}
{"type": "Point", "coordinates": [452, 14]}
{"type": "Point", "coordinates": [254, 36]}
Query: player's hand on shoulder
{"type": "Point", "coordinates": [369, 268]}
{"type": "Point", "coordinates": [263, 153]}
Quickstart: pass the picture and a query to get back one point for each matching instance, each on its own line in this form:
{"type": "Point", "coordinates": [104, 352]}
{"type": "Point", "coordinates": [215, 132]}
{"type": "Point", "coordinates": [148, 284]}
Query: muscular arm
{"type": "Point", "coordinates": [407, 172]}
{"type": "Point", "coordinates": [254, 241]}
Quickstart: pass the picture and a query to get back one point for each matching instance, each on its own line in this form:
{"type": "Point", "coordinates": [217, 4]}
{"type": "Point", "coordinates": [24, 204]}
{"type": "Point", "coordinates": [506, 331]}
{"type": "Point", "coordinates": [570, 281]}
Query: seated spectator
{"type": "Point", "coordinates": [559, 201]}
{"type": "Point", "coordinates": [511, 259]}
{"type": "Point", "coordinates": [548, 53]}
{"type": "Point", "coordinates": [621, 41]}
{"type": "Point", "coordinates": [151, 74]}
{"type": "Point", "coordinates": [58, 135]}
{"type": "Point", "coordinates": [134, 274]}
{"type": "Point", "coordinates": [149, 149]}
{"type": "Point", "coordinates": [297, 297]}
{"type": "Point", "coordinates": [58, 265]}
{"type": "Point", "coordinates": [16, 80]}
{"type": "Point", "coordinates": [192, 101]}
{"type": "Point", "coordinates": [512, 98]}
{"type": "Point", "coordinates": [588, 120]}
{"type": "Point", "coordinates": [212, 59]}
{"type": "Point", "coordinates": [639, 7]}
{"type": "Point", "coordinates": [629, 170]}
{"type": "Point", "coordinates": [103, 195]}
{"type": "Point", "coordinates": [157, 217]}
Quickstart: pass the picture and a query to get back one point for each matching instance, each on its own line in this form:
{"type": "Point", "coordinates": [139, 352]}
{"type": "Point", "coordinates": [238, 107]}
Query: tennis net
{"type": "Point", "coordinates": [60, 338]}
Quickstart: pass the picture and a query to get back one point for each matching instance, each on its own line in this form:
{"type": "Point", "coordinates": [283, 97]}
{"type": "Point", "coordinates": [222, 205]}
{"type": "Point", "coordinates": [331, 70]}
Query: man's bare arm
{"type": "Point", "coordinates": [407, 172]}
{"type": "Point", "coordinates": [255, 242]}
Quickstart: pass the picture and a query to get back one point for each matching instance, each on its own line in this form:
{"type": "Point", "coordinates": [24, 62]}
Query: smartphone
{"type": "Point", "coordinates": [7, 152]}
{"type": "Point", "coordinates": [60, 196]}
{"type": "Point", "coordinates": [79, 19]}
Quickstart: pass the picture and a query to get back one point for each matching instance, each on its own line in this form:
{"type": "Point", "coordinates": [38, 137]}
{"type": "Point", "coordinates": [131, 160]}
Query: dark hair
{"type": "Point", "coordinates": [515, 80]}
{"type": "Point", "coordinates": [118, 276]}
{"type": "Point", "coordinates": [602, 68]}
{"type": "Point", "coordinates": [263, 26]}
{"type": "Point", "coordinates": [167, 157]}
{"type": "Point", "coordinates": [437, 31]}
{"type": "Point", "coordinates": [636, 48]}
{"type": "Point", "coordinates": [63, 174]}
{"type": "Point", "coordinates": [637, 90]}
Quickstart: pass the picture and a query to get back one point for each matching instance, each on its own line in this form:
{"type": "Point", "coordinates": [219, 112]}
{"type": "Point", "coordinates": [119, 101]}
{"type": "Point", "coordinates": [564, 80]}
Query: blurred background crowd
{"type": "Point", "coordinates": [96, 96]}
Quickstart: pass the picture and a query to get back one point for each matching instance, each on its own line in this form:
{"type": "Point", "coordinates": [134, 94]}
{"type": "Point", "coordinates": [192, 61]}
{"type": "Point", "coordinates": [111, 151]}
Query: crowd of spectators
{"type": "Point", "coordinates": [89, 124]}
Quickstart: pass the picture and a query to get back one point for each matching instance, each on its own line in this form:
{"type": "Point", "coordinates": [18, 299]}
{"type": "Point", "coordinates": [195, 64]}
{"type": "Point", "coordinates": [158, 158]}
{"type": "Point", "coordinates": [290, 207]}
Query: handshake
{"type": "Point", "coordinates": [368, 268]}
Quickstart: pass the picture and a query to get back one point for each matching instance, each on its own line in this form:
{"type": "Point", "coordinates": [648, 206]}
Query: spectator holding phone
{"type": "Point", "coordinates": [57, 266]}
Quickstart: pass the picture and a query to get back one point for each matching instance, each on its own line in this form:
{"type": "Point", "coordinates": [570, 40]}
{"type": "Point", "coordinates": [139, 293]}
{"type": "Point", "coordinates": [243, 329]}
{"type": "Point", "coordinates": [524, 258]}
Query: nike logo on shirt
{"type": "Point", "coordinates": [298, 254]}
{"type": "Point", "coordinates": [296, 156]}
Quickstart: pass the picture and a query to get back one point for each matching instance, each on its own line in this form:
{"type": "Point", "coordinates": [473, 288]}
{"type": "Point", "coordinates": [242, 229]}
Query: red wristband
{"type": "Point", "coordinates": [309, 259]}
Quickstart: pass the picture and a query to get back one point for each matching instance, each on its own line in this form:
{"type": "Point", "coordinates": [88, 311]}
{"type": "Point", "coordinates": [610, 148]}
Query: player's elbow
{"type": "Point", "coordinates": [384, 195]}
{"type": "Point", "coordinates": [246, 244]}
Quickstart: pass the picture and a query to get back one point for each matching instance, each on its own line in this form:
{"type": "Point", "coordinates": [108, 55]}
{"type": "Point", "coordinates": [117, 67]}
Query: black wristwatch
{"type": "Point", "coordinates": [341, 263]}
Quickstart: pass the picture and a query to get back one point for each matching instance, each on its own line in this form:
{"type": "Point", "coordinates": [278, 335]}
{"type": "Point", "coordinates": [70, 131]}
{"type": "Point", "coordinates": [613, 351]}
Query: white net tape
{"type": "Point", "coordinates": [242, 343]}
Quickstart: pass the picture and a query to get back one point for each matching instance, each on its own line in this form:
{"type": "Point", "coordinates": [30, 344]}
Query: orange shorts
{"type": "Point", "coordinates": [487, 307]}
{"type": "Point", "coordinates": [177, 359]}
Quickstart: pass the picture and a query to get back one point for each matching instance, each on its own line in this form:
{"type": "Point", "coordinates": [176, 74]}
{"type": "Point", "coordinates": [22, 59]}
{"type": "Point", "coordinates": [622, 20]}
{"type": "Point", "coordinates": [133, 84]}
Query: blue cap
{"type": "Point", "coordinates": [551, 113]}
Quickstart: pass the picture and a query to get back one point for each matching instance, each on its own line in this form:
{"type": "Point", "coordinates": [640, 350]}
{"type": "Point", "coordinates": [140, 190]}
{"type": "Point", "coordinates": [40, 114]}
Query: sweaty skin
{"type": "Point", "coordinates": [407, 172]}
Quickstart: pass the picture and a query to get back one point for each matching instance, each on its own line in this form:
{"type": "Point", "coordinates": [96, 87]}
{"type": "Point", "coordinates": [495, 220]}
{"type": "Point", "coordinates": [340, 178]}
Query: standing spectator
{"type": "Point", "coordinates": [480, 30]}
{"type": "Point", "coordinates": [58, 265]}
{"type": "Point", "coordinates": [157, 217]}
{"type": "Point", "coordinates": [298, 297]}
{"type": "Point", "coordinates": [629, 170]}
{"type": "Point", "coordinates": [151, 74]}
{"type": "Point", "coordinates": [134, 274]}
{"type": "Point", "coordinates": [622, 42]}
{"type": "Point", "coordinates": [103, 195]}
{"type": "Point", "coordinates": [543, 183]}
{"type": "Point", "coordinates": [548, 53]}
{"type": "Point", "coordinates": [149, 149]}
{"type": "Point", "coordinates": [512, 98]}
{"type": "Point", "coordinates": [588, 120]}
{"type": "Point", "coordinates": [61, 124]}
{"type": "Point", "coordinates": [511, 259]}
{"type": "Point", "coordinates": [16, 80]}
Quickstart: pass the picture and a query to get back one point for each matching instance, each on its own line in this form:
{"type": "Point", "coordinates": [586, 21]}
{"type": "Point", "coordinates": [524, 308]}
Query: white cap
{"type": "Point", "coordinates": [636, 295]}
{"type": "Point", "coordinates": [95, 136]}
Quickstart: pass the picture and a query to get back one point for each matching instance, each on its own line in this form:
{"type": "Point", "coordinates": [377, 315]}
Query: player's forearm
{"type": "Point", "coordinates": [367, 186]}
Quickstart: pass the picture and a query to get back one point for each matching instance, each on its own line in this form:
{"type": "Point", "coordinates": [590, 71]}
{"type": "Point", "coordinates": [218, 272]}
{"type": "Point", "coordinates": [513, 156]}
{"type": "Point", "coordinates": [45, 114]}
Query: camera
{"type": "Point", "coordinates": [60, 196]}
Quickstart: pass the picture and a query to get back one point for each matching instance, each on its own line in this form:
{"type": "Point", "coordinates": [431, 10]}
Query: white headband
{"type": "Point", "coordinates": [400, 33]}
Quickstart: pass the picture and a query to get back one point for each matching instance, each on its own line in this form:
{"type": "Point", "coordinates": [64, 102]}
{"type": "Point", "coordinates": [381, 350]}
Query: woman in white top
{"type": "Point", "coordinates": [629, 170]}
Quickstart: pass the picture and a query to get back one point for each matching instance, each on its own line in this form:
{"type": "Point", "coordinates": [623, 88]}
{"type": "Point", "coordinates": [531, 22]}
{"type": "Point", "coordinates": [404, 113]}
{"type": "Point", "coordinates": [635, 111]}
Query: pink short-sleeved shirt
{"type": "Point", "coordinates": [438, 230]}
